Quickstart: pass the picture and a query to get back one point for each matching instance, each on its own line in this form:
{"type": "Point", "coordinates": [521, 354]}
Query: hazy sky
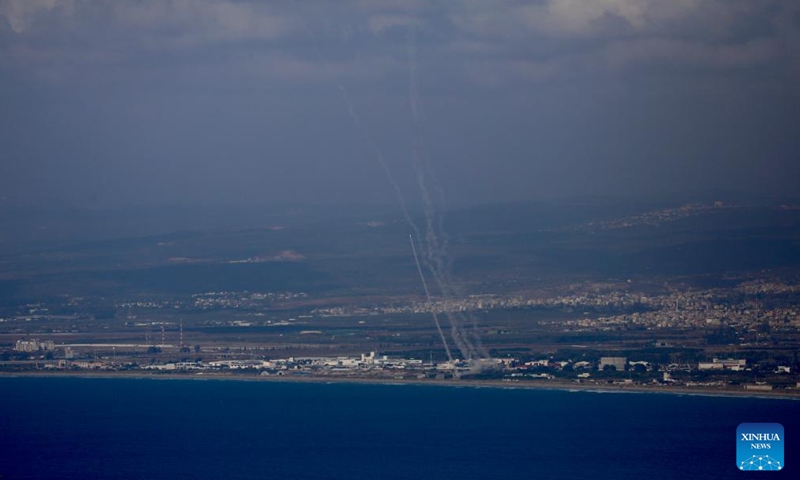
{"type": "Point", "coordinates": [119, 102]}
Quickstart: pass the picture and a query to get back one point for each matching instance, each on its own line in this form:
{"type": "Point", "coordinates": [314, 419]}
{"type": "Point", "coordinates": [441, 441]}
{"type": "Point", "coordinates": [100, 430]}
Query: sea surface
{"type": "Point", "coordinates": [104, 428]}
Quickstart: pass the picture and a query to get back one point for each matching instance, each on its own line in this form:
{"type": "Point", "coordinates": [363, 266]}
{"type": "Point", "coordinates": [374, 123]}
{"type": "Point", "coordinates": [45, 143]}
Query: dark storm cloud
{"type": "Point", "coordinates": [212, 101]}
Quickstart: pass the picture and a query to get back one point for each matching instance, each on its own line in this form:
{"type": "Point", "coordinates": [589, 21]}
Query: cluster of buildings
{"type": "Point", "coordinates": [371, 365]}
{"type": "Point", "coordinates": [247, 300]}
{"type": "Point", "coordinates": [374, 363]}
{"type": "Point", "coordinates": [748, 307]}
{"type": "Point", "coordinates": [30, 346]}
{"type": "Point", "coordinates": [659, 217]}
{"type": "Point", "coordinates": [365, 365]}
{"type": "Point", "coordinates": [216, 300]}
{"type": "Point", "coordinates": [743, 308]}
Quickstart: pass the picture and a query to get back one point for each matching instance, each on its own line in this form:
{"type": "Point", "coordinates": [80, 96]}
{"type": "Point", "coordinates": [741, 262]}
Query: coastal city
{"type": "Point", "coordinates": [713, 338]}
{"type": "Point", "coordinates": [717, 374]}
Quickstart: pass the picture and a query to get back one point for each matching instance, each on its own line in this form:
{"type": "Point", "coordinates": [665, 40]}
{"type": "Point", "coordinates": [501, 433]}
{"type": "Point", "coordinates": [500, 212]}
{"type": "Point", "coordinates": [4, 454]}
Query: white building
{"type": "Point", "coordinates": [617, 362]}
{"type": "Point", "coordinates": [34, 345]}
{"type": "Point", "coordinates": [726, 364]}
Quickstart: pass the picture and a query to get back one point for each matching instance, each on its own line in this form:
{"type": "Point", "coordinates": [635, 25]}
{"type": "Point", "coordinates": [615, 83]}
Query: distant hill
{"type": "Point", "coordinates": [358, 252]}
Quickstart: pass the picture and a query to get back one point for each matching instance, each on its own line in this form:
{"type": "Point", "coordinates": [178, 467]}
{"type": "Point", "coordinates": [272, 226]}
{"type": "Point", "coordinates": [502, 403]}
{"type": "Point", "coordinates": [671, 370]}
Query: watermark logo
{"type": "Point", "coordinates": [759, 447]}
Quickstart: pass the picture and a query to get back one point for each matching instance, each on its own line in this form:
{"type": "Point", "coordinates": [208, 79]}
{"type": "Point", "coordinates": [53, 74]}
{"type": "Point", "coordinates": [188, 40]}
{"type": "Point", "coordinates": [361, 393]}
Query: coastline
{"type": "Point", "coordinates": [500, 384]}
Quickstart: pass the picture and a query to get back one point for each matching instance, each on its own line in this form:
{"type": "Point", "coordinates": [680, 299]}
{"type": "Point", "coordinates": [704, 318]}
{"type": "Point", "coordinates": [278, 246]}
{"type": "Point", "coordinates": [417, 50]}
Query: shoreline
{"type": "Point", "coordinates": [557, 386]}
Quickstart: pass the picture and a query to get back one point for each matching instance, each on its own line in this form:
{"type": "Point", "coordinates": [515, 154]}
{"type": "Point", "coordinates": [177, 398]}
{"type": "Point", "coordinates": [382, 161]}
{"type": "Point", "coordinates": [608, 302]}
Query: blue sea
{"type": "Point", "coordinates": [55, 428]}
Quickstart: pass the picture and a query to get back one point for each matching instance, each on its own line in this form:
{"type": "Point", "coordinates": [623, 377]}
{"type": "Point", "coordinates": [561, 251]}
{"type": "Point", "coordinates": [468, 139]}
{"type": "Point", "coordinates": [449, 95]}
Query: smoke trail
{"type": "Point", "coordinates": [436, 239]}
{"type": "Point", "coordinates": [378, 154]}
{"type": "Point", "coordinates": [430, 304]}
{"type": "Point", "coordinates": [359, 126]}
{"type": "Point", "coordinates": [375, 150]}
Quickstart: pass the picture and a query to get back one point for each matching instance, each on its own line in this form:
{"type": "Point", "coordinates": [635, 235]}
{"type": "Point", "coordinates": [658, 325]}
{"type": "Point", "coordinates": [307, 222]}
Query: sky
{"type": "Point", "coordinates": [234, 102]}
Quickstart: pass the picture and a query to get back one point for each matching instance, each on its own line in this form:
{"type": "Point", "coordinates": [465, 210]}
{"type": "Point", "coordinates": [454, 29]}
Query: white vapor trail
{"type": "Point", "coordinates": [430, 303]}
{"type": "Point", "coordinates": [359, 127]}
{"type": "Point", "coordinates": [378, 154]}
{"type": "Point", "coordinates": [436, 239]}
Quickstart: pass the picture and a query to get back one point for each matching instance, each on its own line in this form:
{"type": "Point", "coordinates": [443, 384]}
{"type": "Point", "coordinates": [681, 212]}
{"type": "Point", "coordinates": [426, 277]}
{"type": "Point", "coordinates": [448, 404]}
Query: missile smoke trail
{"type": "Point", "coordinates": [434, 252]}
{"type": "Point", "coordinates": [375, 150]}
{"type": "Point", "coordinates": [435, 242]}
{"type": "Point", "coordinates": [358, 125]}
{"type": "Point", "coordinates": [430, 304]}
{"type": "Point", "coordinates": [436, 239]}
